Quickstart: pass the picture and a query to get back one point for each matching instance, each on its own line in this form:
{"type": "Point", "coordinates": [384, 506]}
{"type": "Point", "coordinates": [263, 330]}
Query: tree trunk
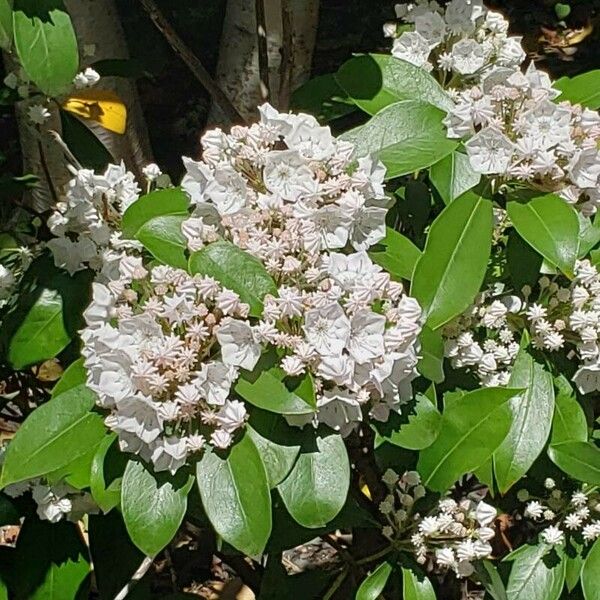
{"type": "Point", "coordinates": [238, 70]}
{"type": "Point", "coordinates": [100, 36]}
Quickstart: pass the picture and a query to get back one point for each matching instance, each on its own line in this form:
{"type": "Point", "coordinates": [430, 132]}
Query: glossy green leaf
{"type": "Point", "coordinates": [590, 573]}
{"type": "Point", "coordinates": [322, 97]}
{"type": "Point", "coordinates": [551, 227]}
{"type": "Point", "coordinates": [170, 201]}
{"type": "Point", "coordinates": [374, 81]}
{"type": "Point", "coordinates": [406, 136]}
{"type": "Point", "coordinates": [531, 421]}
{"type": "Point", "coordinates": [6, 25]}
{"type": "Point", "coordinates": [589, 235]}
{"type": "Point", "coordinates": [316, 489]}
{"type": "Point", "coordinates": [42, 334]}
{"type": "Point", "coordinates": [277, 443]}
{"type": "Point", "coordinates": [74, 375]}
{"type": "Point", "coordinates": [76, 472]}
{"type": "Point", "coordinates": [372, 587]}
{"type": "Point", "coordinates": [579, 460]}
{"type": "Point", "coordinates": [451, 269]}
{"type": "Point", "coordinates": [46, 44]}
{"type": "Point", "coordinates": [115, 557]}
{"type": "Point", "coordinates": [419, 432]}
{"type": "Point", "coordinates": [569, 423]}
{"type": "Point", "coordinates": [54, 434]}
{"type": "Point", "coordinates": [532, 579]}
{"type": "Point", "coordinates": [453, 176]}
{"type": "Point", "coordinates": [415, 588]}
{"type": "Point", "coordinates": [524, 263]}
{"type": "Point", "coordinates": [153, 505]}
{"type": "Point", "coordinates": [236, 270]}
{"type": "Point", "coordinates": [106, 473]}
{"type": "Point", "coordinates": [472, 428]}
{"type": "Point", "coordinates": [573, 567]}
{"type": "Point", "coordinates": [235, 495]}
{"type": "Point", "coordinates": [162, 237]}
{"type": "Point", "coordinates": [581, 89]}
{"type": "Point", "coordinates": [268, 388]}
{"type": "Point", "coordinates": [51, 562]}
{"type": "Point", "coordinates": [431, 363]}
{"type": "Point", "coordinates": [396, 254]}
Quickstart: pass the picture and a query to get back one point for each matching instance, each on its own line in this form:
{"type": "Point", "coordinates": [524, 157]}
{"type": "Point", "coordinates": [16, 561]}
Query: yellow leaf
{"type": "Point", "coordinates": [49, 370]}
{"type": "Point", "coordinates": [102, 106]}
{"type": "Point", "coordinates": [364, 488]}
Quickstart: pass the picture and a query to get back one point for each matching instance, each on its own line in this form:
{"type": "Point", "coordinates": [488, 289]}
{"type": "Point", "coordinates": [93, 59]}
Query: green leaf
{"type": "Point", "coordinates": [582, 89]}
{"type": "Point", "coordinates": [77, 472]}
{"type": "Point", "coordinates": [374, 81]}
{"type": "Point", "coordinates": [277, 443]}
{"type": "Point", "coordinates": [42, 334]}
{"type": "Point", "coordinates": [590, 574]}
{"type": "Point", "coordinates": [235, 495]}
{"type": "Point", "coordinates": [473, 426]}
{"type": "Point", "coordinates": [106, 473]}
{"type": "Point", "coordinates": [451, 269]}
{"type": "Point", "coordinates": [406, 136]}
{"type": "Point", "coordinates": [569, 423]}
{"type": "Point", "coordinates": [579, 460]}
{"type": "Point", "coordinates": [414, 588]}
{"type": "Point", "coordinates": [315, 490]}
{"type": "Point", "coordinates": [46, 44]}
{"type": "Point", "coordinates": [115, 557]}
{"type": "Point", "coordinates": [490, 579]}
{"type": "Point", "coordinates": [162, 237]}
{"type": "Point", "coordinates": [170, 201]}
{"type": "Point", "coordinates": [51, 562]}
{"type": "Point", "coordinates": [551, 227]}
{"type": "Point", "coordinates": [268, 388]}
{"type": "Point", "coordinates": [431, 364]}
{"type": "Point", "coordinates": [322, 97]}
{"type": "Point", "coordinates": [532, 579]}
{"type": "Point", "coordinates": [531, 421]}
{"type": "Point", "coordinates": [419, 432]}
{"type": "Point", "coordinates": [524, 263]}
{"type": "Point", "coordinates": [372, 587]}
{"type": "Point", "coordinates": [236, 270]}
{"type": "Point", "coordinates": [52, 436]}
{"type": "Point", "coordinates": [84, 143]}
{"type": "Point", "coordinates": [6, 25]}
{"type": "Point", "coordinates": [453, 176]}
{"type": "Point", "coordinates": [396, 254]}
{"type": "Point", "coordinates": [589, 235]}
{"type": "Point", "coordinates": [153, 505]}
{"type": "Point", "coordinates": [74, 375]}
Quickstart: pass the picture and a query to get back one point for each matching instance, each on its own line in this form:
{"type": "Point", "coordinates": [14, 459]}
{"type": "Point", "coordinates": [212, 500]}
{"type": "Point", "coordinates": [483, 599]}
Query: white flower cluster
{"type": "Point", "coordinates": [460, 41]}
{"type": "Point", "coordinates": [482, 340]}
{"type": "Point", "coordinates": [287, 192]}
{"type": "Point", "coordinates": [86, 222]}
{"type": "Point", "coordinates": [162, 350]}
{"type": "Point", "coordinates": [516, 132]}
{"type": "Point", "coordinates": [355, 331]}
{"type": "Point", "coordinates": [570, 315]}
{"type": "Point", "coordinates": [452, 536]}
{"type": "Point", "coordinates": [571, 514]}
{"type": "Point", "coordinates": [55, 502]}
{"type": "Point", "coordinates": [284, 189]}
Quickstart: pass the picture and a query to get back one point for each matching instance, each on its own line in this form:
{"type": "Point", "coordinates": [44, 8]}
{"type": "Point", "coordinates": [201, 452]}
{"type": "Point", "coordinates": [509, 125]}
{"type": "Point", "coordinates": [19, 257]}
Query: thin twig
{"type": "Point", "coordinates": [287, 52]}
{"type": "Point", "coordinates": [336, 584]}
{"type": "Point", "coordinates": [141, 571]}
{"type": "Point", "coordinates": [192, 61]}
{"type": "Point", "coordinates": [263, 52]}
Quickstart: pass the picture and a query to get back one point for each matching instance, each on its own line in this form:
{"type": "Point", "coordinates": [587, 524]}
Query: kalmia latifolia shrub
{"type": "Point", "coordinates": [384, 341]}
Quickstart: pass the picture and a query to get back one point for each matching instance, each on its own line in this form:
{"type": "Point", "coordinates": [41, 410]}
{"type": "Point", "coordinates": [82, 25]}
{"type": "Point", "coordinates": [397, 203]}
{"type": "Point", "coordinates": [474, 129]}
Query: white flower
{"type": "Point", "coordinates": [534, 509]}
{"type": "Point", "coordinates": [485, 513]}
{"type": "Point", "coordinates": [87, 78]}
{"type": "Point", "coordinates": [490, 151]}
{"type": "Point", "coordinates": [327, 329]}
{"type": "Point", "coordinates": [287, 173]}
{"type": "Point", "coordinates": [467, 57]}
{"type": "Point", "coordinates": [553, 535]}
{"type": "Point", "coordinates": [231, 416]}
{"type": "Point", "coordinates": [366, 336]}
{"type": "Point", "coordinates": [38, 114]}
{"type": "Point", "coordinates": [573, 521]}
{"type": "Point", "coordinates": [339, 410]}
{"type": "Point", "coordinates": [412, 47]}
{"type": "Point", "coordinates": [445, 557]}
{"type": "Point", "coordinates": [429, 526]}
{"type": "Point", "coordinates": [238, 346]}
{"type": "Point", "coordinates": [152, 172]}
